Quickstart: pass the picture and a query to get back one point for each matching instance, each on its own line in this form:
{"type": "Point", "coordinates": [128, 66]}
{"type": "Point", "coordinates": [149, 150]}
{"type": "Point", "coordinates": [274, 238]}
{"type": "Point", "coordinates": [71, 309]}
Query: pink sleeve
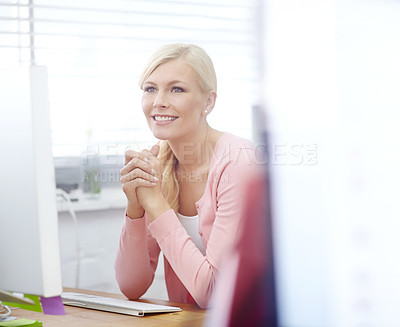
{"type": "Point", "coordinates": [136, 259]}
{"type": "Point", "coordinates": [196, 271]}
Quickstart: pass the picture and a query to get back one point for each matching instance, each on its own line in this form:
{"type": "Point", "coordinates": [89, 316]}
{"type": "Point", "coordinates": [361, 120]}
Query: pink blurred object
{"type": "Point", "coordinates": [245, 293]}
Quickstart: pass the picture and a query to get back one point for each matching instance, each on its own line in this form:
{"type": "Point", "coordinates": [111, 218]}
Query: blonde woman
{"type": "Point", "coordinates": [184, 195]}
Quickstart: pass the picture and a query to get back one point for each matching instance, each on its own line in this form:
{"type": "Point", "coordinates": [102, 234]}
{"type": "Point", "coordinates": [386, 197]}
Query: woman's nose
{"type": "Point", "coordinates": [160, 101]}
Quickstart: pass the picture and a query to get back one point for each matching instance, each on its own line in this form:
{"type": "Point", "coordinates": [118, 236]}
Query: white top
{"type": "Point", "coordinates": [191, 224]}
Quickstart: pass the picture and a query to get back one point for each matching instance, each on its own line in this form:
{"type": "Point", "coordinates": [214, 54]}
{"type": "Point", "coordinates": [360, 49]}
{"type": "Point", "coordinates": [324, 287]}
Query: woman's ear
{"type": "Point", "coordinates": [211, 98]}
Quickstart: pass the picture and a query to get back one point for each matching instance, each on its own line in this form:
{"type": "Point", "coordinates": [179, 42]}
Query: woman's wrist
{"type": "Point", "coordinates": [133, 212]}
{"type": "Point", "coordinates": [156, 207]}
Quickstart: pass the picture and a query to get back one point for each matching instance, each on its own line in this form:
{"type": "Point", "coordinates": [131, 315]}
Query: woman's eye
{"type": "Point", "coordinates": [177, 89]}
{"type": "Point", "coordinates": [150, 89]}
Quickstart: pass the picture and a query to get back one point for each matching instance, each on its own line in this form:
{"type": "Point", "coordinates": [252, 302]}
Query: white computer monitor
{"type": "Point", "coordinates": [29, 247]}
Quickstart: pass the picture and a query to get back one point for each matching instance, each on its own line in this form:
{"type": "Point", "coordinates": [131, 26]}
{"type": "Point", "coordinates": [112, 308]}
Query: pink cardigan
{"type": "Point", "coordinates": [188, 273]}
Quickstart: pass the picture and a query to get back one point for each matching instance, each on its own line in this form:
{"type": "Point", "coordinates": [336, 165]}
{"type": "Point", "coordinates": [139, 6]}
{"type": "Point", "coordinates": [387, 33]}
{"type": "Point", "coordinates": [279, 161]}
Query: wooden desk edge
{"type": "Point", "coordinates": [191, 315]}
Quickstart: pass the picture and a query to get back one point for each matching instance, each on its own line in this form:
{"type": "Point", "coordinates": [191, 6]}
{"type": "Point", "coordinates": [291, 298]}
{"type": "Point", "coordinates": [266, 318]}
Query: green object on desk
{"type": "Point", "coordinates": [20, 323]}
{"type": "Point", "coordinates": [34, 307]}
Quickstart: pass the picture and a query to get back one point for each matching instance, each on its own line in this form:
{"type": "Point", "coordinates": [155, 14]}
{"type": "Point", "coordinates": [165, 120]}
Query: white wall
{"type": "Point", "coordinates": [98, 232]}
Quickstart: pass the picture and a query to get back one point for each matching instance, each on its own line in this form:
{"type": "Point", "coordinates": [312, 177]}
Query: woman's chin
{"type": "Point", "coordinates": [160, 136]}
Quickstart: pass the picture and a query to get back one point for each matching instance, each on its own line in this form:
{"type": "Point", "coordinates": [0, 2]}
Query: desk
{"type": "Point", "coordinates": [190, 316]}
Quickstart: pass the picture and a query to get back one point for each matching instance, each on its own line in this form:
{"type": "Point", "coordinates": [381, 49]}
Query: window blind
{"type": "Point", "coordinates": [95, 50]}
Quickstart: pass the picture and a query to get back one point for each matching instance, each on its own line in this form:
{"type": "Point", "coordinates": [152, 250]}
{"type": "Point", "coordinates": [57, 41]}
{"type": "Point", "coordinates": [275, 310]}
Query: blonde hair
{"type": "Point", "coordinates": [202, 65]}
{"type": "Point", "coordinates": [191, 54]}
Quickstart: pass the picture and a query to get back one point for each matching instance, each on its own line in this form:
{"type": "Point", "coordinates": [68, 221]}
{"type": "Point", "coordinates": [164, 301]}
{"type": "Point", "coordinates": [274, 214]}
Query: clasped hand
{"type": "Point", "coordinates": [141, 182]}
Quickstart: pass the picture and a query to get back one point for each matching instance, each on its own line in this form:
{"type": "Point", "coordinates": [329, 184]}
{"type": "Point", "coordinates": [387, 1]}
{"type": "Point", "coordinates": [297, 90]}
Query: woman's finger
{"type": "Point", "coordinates": [136, 163]}
{"type": "Point", "coordinates": [151, 154]}
{"type": "Point", "coordinates": [150, 157]}
{"type": "Point", "coordinates": [138, 174]}
{"type": "Point", "coordinates": [131, 186]}
{"type": "Point", "coordinates": [130, 154]}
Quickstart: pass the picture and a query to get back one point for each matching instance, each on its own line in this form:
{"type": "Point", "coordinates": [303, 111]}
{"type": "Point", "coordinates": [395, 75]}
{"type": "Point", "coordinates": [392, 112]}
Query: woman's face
{"type": "Point", "coordinates": [173, 101]}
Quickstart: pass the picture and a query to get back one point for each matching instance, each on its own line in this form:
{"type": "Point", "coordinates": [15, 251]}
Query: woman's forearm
{"type": "Point", "coordinates": [136, 259]}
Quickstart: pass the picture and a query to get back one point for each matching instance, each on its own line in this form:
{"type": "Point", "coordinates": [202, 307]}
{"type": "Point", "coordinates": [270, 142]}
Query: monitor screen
{"type": "Point", "coordinates": [29, 248]}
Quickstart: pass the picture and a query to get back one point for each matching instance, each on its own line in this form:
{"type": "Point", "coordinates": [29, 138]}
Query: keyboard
{"type": "Point", "coordinates": [102, 303]}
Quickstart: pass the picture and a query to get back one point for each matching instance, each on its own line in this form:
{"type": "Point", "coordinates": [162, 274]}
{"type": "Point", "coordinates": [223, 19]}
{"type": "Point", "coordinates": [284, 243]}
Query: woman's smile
{"type": "Point", "coordinates": [164, 119]}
